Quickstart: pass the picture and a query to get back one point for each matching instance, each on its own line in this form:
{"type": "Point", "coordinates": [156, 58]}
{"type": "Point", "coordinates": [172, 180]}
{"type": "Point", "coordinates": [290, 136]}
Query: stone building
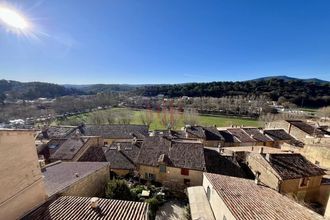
{"type": "Point", "coordinates": [173, 163]}
{"type": "Point", "coordinates": [22, 187]}
{"type": "Point", "coordinates": [289, 174]}
{"type": "Point", "coordinates": [232, 198]}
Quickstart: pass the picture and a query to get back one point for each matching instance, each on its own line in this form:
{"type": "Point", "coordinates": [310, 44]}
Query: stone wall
{"type": "Point", "coordinates": [173, 175]}
{"type": "Point", "coordinates": [91, 185]}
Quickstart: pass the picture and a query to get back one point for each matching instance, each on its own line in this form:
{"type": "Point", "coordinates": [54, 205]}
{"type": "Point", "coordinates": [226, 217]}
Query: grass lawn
{"type": "Point", "coordinates": [206, 120]}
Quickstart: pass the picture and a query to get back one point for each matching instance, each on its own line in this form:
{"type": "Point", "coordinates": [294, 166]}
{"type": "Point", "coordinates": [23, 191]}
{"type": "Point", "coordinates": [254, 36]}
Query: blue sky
{"type": "Point", "coordinates": [167, 41]}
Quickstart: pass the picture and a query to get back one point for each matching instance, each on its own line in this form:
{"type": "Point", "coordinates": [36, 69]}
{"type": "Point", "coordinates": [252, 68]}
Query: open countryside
{"type": "Point", "coordinates": [205, 120]}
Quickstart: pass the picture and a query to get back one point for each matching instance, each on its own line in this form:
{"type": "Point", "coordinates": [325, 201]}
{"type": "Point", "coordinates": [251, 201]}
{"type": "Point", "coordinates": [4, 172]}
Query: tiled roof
{"type": "Point", "coordinates": [278, 135]}
{"type": "Point", "coordinates": [188, 155]}
{"type": "Point", "coordinates": [307, 128]}
{"type": "Point", "coordinates": [257, 135]}
{"type": "Point", "coordinates": [228, 137]}
{"type": "Point", "coordinates": [116, 131]}
{"type": "Point", "coordinates": [58, 176]}
{"type": "Point", "coordinates": [78, 208]}
{"type": "Point", "coordinates": [249, 201]}
{"type": "Point", "coordinates": [122, 155]}
{"type": "Point", "coordinates": [240, 135]}
{"type": "Point", "coordinates": [56, 132]}
{"type": "Point", "coordinates": [215, 163]}
{"type": "Point", "coordinates": [93, 154]}
{"type": "Point", "coordinates": [69, 148]}
{"type": "Point", "coordinates": [170, 134]}
{"type": "Point", "coordinates": [293, 166]}
{"type": "Point", "coordinates": [282, 135]}
{"type": "Point", "coordinates": [207, 133]}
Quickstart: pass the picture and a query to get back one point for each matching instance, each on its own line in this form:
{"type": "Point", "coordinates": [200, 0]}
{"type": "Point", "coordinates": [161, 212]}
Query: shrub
{"type": "Point", "coordinates": [118, 189]}
{"type": "Point", "coordinates": [154, 204]}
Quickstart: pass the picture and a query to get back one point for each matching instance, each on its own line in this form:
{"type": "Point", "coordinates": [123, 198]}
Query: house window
{"type": "Point", "coordinates": [149, 176]}
{"type": "Point", "coordinates": [105, 143]}
{"type": "Point", "coordinates": [184, 172]}
{"type": "Point", "coordinates": [224, 218]}
{"type": "Point", "coordinates": [186, 182]}
{"type": "Point", "coordinates": [317, 162]}
{"type": "Point", "coordinates": [304, 182]}
{"type": "Point", "coordinates": [162, 168]}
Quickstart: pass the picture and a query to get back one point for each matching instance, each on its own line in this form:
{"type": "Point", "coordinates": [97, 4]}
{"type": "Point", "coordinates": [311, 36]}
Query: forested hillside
{"type": "Point", "coordinates": [299, 92]}
{"type": "Point", "coordinates": [33, 90]}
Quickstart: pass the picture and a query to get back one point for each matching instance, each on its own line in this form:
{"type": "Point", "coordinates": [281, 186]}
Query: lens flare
{"type": "Point", "coordinates": [13, 19]}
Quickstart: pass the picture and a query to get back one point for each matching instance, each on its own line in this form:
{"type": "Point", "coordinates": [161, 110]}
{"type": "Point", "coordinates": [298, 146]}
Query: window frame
{"type": "Point", "coordinates": [184, 172]}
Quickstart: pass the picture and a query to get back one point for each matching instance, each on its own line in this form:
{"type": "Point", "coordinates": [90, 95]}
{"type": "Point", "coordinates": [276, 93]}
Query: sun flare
{"type": "Point", "coordinates": [13, 19]}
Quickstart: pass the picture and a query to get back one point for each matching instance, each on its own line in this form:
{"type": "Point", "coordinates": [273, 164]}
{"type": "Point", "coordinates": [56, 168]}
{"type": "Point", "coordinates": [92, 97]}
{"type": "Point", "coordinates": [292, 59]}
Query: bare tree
{"type": "Point", "coordinates": [170, 118]}
{"type": "Point", "coordinates": [109, 117]}
{"type": "Point", "coordinates": [124, 116]}
{"type": "Point", "coordinates": [147, 117]}
{"type": "Point", "coordinates": [324, 113]}
{"type": "Point", "coordinates": [190, 116]}
{"type": "Point", "coordinates": [97, 118]}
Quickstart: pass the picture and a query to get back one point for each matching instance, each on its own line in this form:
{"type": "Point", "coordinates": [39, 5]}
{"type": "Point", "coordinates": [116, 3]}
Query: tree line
{"type": "Point", "coordinates": [301, 93]}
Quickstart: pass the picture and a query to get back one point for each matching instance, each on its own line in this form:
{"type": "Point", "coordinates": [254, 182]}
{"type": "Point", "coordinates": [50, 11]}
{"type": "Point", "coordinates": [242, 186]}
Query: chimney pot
{"type": "Point", "coordinates": [94, 202]}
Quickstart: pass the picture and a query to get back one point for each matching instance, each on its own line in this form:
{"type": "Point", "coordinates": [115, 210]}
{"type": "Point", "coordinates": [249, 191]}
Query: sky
{"type": "Point", "coordinates": [166, 41]}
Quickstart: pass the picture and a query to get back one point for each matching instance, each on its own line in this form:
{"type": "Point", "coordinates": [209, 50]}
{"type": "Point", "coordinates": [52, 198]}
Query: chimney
{"type": "Point", "coordinates": [257, 180]}
{"type": "Point", "coordinates": [42, 165]}
{"type": "Point", "coordinates": [76, 174]}
{"type": "Point", "coordinates": [261, 150]}
{"type": "Point", "coordinates": [267, 157]}
{"type": "Point", "coordinates": [134, 140]}
{"type": "Point", "coordinates": [94, 202]}
{"type": "Point", "coordinates": [118, 147]}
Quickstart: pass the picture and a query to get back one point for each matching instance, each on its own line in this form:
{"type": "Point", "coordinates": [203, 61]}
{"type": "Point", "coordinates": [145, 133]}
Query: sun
{"type": "Point", "coordinates": [13, 19]}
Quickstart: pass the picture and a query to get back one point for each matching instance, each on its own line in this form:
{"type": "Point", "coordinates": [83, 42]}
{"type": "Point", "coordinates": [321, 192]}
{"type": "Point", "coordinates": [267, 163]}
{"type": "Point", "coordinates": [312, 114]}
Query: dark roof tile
{"type": "Point", "coordinates": [293, 166]}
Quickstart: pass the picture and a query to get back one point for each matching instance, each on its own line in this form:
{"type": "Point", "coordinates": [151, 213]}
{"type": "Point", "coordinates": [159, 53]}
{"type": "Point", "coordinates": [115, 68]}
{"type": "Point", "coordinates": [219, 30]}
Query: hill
{"type": "Point", "coordinates": [96, 88]}
{"type": "Point", "coordinates": [287, 78]}
{"type": "Point", "coordinates": [33, 90]}
{"type": "Point", "coordinates": [300, 92]}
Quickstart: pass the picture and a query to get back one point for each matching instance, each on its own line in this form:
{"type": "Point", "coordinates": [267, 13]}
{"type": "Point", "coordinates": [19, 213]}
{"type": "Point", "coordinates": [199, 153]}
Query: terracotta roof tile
{"type": "Point", "coordinates": [249, 201]}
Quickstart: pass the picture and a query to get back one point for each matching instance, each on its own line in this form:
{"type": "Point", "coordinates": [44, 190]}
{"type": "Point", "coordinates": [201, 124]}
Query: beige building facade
{"type": "Point", "coordinates": [172, 176]}
{"type": "Point", "coordinates": [22, 186]}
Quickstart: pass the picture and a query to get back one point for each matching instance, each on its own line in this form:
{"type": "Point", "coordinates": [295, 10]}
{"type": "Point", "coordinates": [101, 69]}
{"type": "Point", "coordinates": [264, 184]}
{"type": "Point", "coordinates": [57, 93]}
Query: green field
{"type": "Point", "coordinates": [206, 120]}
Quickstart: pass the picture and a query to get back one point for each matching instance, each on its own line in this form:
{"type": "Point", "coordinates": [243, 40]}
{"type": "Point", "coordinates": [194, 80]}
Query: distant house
{"type": "Point", "coordinates": [209, 136]}
{"type": "Point", "coordinates": [259, 137]}
{"type": "Point", "coordinates": [111, 133]}
{"type": "Point", "coordinates": [229, 139]}
{"type": "Point", "coordinates": [76, 178]}
{"type": "Point", "coordinates": [288, 174]}
{"type": "Point", "coordinates": [301, 130]}
{"type": "Point", "coordinates": [242, 199]}
{"type": "Point", "coordinates": [173, 163]}
{"type": "Point", "coordinates": [243, 138]}
{"type": "Point", "coordinates": [87, 208]}
{"type": "Point", "coordinates": [281, 137]}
